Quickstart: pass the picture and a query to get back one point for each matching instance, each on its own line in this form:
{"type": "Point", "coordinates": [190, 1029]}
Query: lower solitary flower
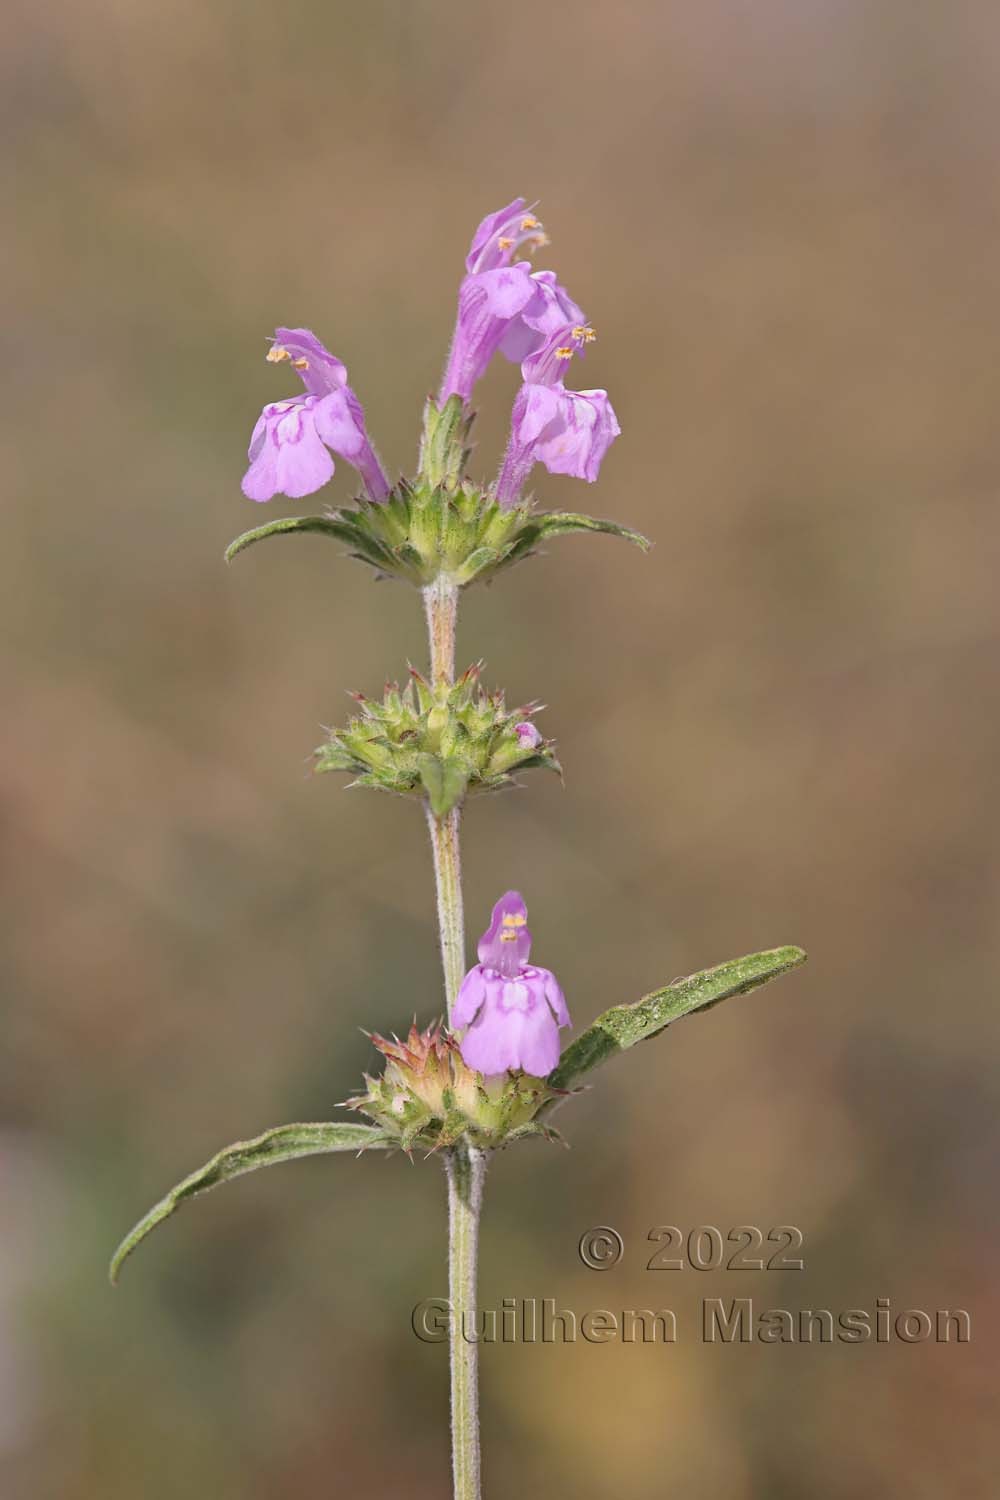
{"type": "Point", "coordinates": [513, 1010]}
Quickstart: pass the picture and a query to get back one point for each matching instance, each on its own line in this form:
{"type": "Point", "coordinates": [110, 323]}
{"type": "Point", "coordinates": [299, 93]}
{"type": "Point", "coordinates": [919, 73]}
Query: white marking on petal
{"type": "Point", "coordinates": [516, 996]}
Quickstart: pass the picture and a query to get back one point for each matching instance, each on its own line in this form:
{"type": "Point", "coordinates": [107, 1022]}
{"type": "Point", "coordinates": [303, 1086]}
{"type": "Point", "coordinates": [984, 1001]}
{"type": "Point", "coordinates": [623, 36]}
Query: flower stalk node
{"type": "Point", "coordinates": [441, 742]}
{"type": "Point", "coordinates": [428, 1098]}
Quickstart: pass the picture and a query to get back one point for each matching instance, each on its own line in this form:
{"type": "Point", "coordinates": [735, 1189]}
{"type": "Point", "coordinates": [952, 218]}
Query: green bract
{"type": "Point", "coordinates": [437, 742]}
{"type": "Point", "coordinates": [439, 524]}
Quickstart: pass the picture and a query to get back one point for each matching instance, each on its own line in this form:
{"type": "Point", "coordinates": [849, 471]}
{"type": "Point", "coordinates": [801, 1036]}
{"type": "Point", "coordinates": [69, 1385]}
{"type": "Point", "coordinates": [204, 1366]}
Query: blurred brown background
{"type": "Point", "coordinates": [781, 726]}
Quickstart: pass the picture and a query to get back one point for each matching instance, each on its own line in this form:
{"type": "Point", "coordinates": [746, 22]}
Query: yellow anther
{"type": "Point", "coordinates": [276, 354]}
{"type": "Point", "coordinates": [505, 242]}
{"type": "Point", "coordinates": [529, 223]}
{"type": "Point", "coordinates": [301, 363]}
{"type": "Point", "coordinates": [565, 352]}
{"type": "Point", "coordinates": [585, 333]}
{"type": "Point", "coordinates": [514, 921]}
{"type": "Point", "coordinates": [540, 240]}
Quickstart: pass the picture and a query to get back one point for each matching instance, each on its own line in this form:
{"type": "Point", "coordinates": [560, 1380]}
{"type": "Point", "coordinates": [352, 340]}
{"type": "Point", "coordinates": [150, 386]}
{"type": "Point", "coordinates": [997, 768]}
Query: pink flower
{"type": "Point", "coordinates": [502, 304]}
{"type": "Point", "coordinates": [289, 449]}
{"type": "Point", "coordinates": [513, 1010]}
{"type": "Point", "coordinates": [567, 431]}
{"type": "Point", "coordinates": [501, 234]}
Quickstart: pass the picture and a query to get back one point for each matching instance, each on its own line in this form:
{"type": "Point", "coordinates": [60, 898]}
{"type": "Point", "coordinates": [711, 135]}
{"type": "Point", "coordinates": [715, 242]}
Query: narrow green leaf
{"type": "Point", "coordinates": [482, 557]}
{"type": "Point", "coordinates": [624, 1025]}
{"type": "Point", "coordinates": [283, 1143]}
{"type": "Point", "coordinates": [559, 523]}
{"type": "Point", "coordinates": [334, 758]}
{"type": "Point", "coordinates": [325, 525]}
{"type": "Point", "coordinates": [445, 781]}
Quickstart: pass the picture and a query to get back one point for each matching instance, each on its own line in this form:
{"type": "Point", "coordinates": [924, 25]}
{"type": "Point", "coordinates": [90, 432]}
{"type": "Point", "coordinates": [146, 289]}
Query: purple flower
{"type": "Point", "coordinates": [567, 431]}
{"type": "Point", "coordinates": [499, 235]}
{"type": "Point", "coordinates": [502, 304]}
{"type": "Point", "coordinates": [528, 735]}
{"type": "Point", "coordinates": [289, 447]}
{"type": "Point", "coordinates": [550, 309]}
{"type": "Point", "coordinates": [513, 1010]}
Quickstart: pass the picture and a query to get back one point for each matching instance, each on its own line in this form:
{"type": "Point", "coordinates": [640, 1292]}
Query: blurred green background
{"type": "Point", "coordinates": [782, 726]}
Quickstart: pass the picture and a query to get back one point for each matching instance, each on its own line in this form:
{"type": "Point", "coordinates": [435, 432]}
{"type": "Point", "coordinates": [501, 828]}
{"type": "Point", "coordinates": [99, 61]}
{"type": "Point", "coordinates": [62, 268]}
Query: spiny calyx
{"type": "Point", "coordinates": [429, 1098]}
{"type": "Point", "coordinates": [441, 743]}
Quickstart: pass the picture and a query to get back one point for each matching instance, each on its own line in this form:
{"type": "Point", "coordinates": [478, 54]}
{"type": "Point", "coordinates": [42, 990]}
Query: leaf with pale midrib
{"type": "Point", "coordinates": [283, 1143]}
{"type": "Point", "coordinates": [624, 1025]}
{"type": "Point", "coordinates": [331, 526]}
{"type": "Point", "coordinates": [561, 522]}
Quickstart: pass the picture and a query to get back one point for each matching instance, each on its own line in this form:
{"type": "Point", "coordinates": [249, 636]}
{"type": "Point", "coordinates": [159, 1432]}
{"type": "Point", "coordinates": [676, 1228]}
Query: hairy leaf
{"type": "Point", "coordinates": [283, 1143]}
{"type": "Point", "coordinates": [325, 525]}
{"type": "Point", "coordinates": [624, 1025]}
{"type": "Point", "coordinates": [559, 523]}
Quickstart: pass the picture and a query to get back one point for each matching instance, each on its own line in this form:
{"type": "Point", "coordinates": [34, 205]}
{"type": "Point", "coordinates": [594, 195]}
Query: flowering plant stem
{"type": "Point", "coordinates": [465, 1168]}
{"type": "Point", "coordinates": [464, 1164]}
{"type": "Point", "coordinates": [448, 879]}
{"type": "Point", "coordinates": [489, 1077]}
{"type": "Point", "coordinates": [441, 605]}
{"type": "Point", "coordinates": [441, 608]}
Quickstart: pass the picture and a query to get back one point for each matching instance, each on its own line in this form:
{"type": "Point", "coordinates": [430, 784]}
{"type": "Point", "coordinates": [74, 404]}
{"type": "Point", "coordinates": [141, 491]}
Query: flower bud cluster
{"type": "Point", "coordinates": [437, 742]}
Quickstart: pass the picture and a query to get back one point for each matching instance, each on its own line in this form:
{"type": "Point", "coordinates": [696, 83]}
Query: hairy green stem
{"type": "Point", "coordinates": [465, 1165]}
{"type": "Point", "coordinates": [448, 878]}
{"type": "Point", "coordinates": [441, 607]}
